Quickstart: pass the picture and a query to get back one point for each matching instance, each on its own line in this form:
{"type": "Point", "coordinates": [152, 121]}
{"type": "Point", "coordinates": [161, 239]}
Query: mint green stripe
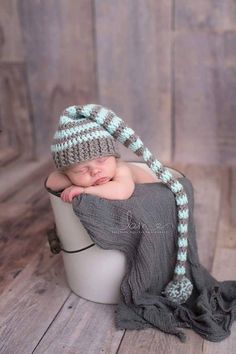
{"type": "Point", "coordinates": [182, 242]}
{"type": "Point", "coordinates": [114, 124]}
{"type": "Point", "coordinates": [146, 154]}
{"type": "Point", "coordinates": [156, 165]}
{"type": "Point", "coordinates": [64, 120]}
{"type": "Point", "coordinates": [91, 136]}
{"type": "Point", "coordinates": [176, 187]}
{"type": "Point", "coordinates": [136, 145]}
{"type": "Point", "coordinates": [182, 228]}
{"type": "Point", "coordinates": [125, 134]}
{"type": "Point", "coordinates": [165, 176]}
{"type": "Point", "coordinates": [71, 111]}
{"type": "Point", "coordinates": [181, 200]}
{"type": "Point", "coordinates": [183, 214]}
{"type": "Point", "coordinates": [87, 109]}
{"type": "Point", "coordinates": [182, 256]}
{"type": "Point", "coordinates": [61, 134]}
{"type": "Point", "coordinates": [101, 116]}
{"type": "Point", "coordinates": [180, 270]}
{"type": "Point", "coordinates": [96, 135]}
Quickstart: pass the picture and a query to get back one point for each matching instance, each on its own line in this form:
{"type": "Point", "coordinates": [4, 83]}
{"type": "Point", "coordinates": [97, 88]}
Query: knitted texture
{"type": "Point", "coordinates": [78, 140]}
{"type": "Point", "coordinates": [180, 288]}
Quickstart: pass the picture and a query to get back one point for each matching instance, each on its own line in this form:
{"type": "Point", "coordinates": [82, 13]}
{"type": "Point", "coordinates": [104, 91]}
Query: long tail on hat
{"type": "Point", "coordinates": [180, 288]}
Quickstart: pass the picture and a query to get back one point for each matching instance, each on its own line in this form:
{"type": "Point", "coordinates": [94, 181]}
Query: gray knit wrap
{"type": "Point", "coordinates": [180, 288]}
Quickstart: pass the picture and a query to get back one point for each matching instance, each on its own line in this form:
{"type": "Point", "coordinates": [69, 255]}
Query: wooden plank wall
{"type": "Point", "coordinates": [47, 62]}
{"type": "Point", "coordinates": [59, 47]}
{"type": "Point", "coordinates": [16, 138]}
{"type": "Point", "coordinates": [167, 67]}
{"type": "Point", "coordinates": [134, 68]}
{"type": "Point", "coordinates": [205, 81]}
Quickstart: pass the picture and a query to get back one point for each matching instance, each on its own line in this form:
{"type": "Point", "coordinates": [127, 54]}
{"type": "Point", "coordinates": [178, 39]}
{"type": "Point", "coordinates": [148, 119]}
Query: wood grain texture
{"type": "Point", "coordinates": [232, 197]}
{"type": "Point", "coordinates": [226, 138]}
{"type": "Point", "coordinates": [226, 235]}
{"type": "Point", "coordinates": [11, 44]}
{"type": "Point", "coordinates": [84, 327]}
{"type": "Point", "coordinates": [59, 46]}
{"type": "Point", "coordinates": [204, 81]}
{"type": "Point", "coordinates": [134, 68]}
{"type": "Point", "coordinates": [17, 136]}
{"type": "Point", "coordinates": [152, 341]}
{"type": "Point", "coordinates": [20, 175]}
{"type": "Point", "coordinates": [199, 87]}
{"type": "Point", "coordinates": [24, 221]}
{"type": "Point", "coordinates": [31, 302]}
{"type": "Point", "coordinates": [210, 15]}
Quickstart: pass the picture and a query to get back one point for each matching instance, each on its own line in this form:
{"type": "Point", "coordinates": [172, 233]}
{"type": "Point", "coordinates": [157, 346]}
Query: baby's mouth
{"type": "Point", "coordinates": [101, 180]}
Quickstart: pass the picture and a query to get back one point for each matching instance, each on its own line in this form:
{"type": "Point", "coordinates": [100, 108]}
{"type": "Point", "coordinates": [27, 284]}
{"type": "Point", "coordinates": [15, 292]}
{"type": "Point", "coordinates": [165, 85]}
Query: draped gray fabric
{"type": "Point", "coordinates": [144, 227]}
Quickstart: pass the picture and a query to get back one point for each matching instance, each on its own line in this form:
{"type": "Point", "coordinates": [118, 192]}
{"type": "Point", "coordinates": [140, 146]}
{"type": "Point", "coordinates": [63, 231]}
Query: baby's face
{"type": "Point", "coordinates": [88, 173]}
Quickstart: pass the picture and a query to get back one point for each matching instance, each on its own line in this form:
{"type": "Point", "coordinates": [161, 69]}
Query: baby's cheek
{"type": "Point", "coordinates": [77, 180]}
{"type": "Point", "coordinates": [113, 171]}
{"type": "Point", "coordinates": [84, 181]}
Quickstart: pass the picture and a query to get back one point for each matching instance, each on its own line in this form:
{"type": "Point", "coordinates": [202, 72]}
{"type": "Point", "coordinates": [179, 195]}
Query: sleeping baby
{"type": "Point", "coordinates": [87, 161]}
{"type": "Point", "coordinates": [106, 176]}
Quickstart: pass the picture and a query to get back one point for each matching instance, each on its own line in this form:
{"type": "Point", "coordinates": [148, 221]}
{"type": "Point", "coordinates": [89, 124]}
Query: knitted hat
{"type": "Point", "coordinates": [78, 140]}
{"type": "Point", "coordinates": [180, 288]}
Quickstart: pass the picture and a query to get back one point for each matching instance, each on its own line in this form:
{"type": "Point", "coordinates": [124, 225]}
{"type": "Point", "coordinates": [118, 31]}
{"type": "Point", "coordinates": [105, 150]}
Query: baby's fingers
{"type": "Point", "coordinates": [64, 196]}
{"type": "Point", "coordinates": [70, 197]}
{"type": "Point", "coordinates": [72, 194]}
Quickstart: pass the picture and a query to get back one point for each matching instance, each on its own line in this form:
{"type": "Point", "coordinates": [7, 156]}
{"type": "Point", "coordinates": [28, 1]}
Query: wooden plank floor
{"type": "Point", "coordinates": [39, 313]}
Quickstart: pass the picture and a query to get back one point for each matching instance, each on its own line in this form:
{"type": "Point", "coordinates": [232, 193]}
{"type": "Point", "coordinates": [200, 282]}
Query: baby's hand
{"type": "Point", "coordinates": [70, 192]}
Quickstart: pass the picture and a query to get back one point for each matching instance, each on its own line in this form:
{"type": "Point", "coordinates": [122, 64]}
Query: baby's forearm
{"type": "Point", "coordinates": [111, 190]}
{"type": "Point", "coordinates": [58, 181]}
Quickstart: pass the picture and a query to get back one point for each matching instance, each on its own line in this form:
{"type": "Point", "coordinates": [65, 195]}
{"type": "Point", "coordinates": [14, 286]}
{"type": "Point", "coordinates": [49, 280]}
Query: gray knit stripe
{"type": "Point", "coordinates": [183, 221]}
{"type": "Point", "coordinates": [66, 154]}
{"type": "Point", "coordinates": [75, 135]}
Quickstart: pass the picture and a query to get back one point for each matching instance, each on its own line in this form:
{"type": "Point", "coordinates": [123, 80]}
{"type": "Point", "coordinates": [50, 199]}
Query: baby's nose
{"type": "Point", "coordinates": [94, 171]}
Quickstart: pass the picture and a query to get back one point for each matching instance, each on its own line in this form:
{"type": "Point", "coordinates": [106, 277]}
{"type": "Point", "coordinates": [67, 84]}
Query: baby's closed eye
{"type": "Point", "coordinates": [82, 170]}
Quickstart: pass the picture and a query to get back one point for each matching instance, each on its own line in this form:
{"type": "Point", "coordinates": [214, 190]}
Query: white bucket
{"type": "Point", "coordinates": [94, 273]}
